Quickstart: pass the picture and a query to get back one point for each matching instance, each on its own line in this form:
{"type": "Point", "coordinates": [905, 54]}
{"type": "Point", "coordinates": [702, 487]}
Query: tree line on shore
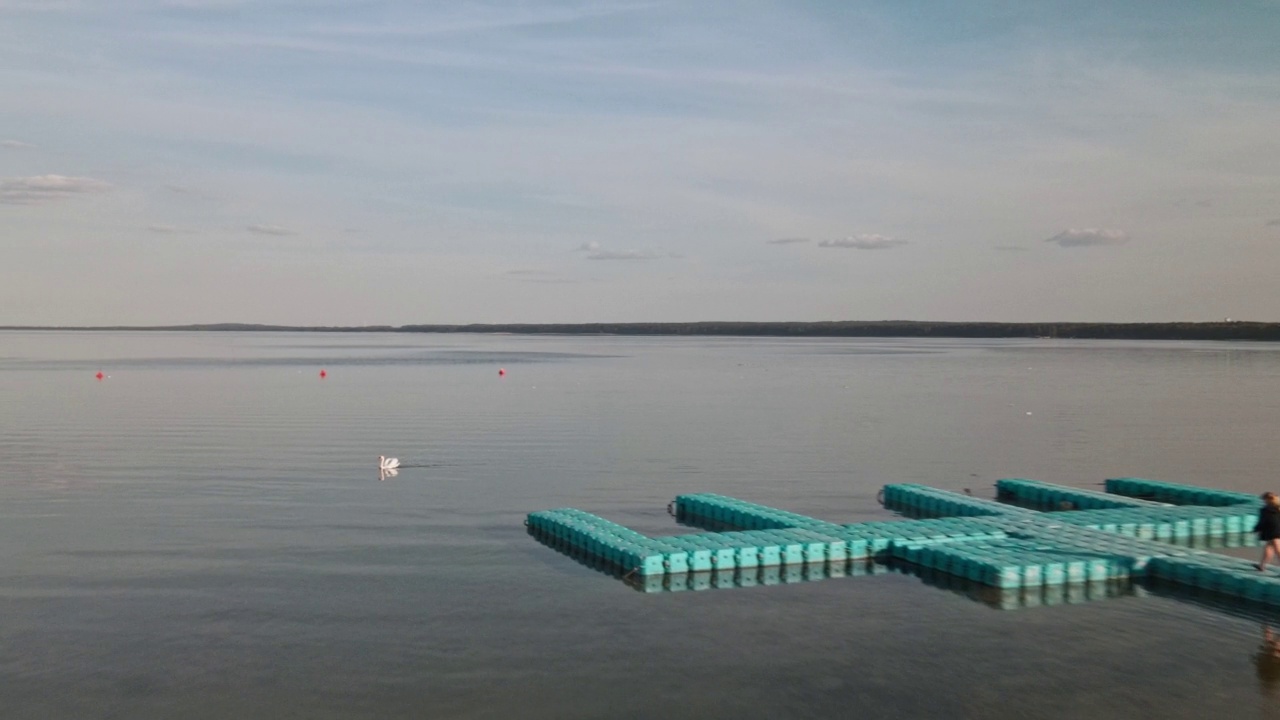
{"type": "Point", "coordinates": [1225, 330]}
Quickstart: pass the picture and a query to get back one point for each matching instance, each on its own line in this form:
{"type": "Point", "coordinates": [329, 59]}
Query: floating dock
{"type": "Point", "coordinates": [1036, 538]}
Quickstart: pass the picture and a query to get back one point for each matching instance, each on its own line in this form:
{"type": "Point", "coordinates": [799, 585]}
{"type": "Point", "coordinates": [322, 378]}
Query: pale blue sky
{"type": "Point", "coordinates": [390, 162]}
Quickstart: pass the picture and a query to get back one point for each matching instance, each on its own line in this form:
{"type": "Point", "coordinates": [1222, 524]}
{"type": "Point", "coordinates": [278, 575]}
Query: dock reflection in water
{"type": "Point", "coordinates": [993, 597]}
{"type": "Point", "coordinates": [752, 577]}
{"type": "Point", "coordinates": [997, 598]}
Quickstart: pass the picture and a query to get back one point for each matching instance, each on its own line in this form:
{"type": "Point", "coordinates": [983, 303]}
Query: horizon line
{"type": "Point", "coordinates": [1227, 329]}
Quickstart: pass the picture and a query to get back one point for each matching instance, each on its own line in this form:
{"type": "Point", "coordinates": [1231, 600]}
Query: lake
{"type": "Point", "coordinates": [203, 532]}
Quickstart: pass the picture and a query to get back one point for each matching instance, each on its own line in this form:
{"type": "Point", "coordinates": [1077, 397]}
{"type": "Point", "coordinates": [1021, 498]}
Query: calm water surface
{"type": "Point", "coordinates": [203, 533]}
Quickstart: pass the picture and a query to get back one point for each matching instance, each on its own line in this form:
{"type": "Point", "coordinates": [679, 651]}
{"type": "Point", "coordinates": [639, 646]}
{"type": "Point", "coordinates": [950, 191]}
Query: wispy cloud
{"type": "Point", "coordinates": [203, 4]}
{"type": "Point", "coordinates": [41, 189]}
{"type": "Point", "coordinates": [621, 255]}
{"type": "Point", "coordinates": [170, 229]}
{"type": "Point", "coordinates": [538, 276]}
{"type": "Point", "coordinates": [1203, 203]}
{"type": "Point", "coordinates": [469, 18]}
{"type": "Point", "coordinates": [41, 5]}
{"type": "Point", "coordinates": [536, 131]}
{"type": "Point", "coordinates": [270, 230]}
{"type": "Point", "coordinates": [1089, 237]}
{"type": "Point", "coordinates": [864, 242]}
{"type": "Point", "coordinates": [15, 145]}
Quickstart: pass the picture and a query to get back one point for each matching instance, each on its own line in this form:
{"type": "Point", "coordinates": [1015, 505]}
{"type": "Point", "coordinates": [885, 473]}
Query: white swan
{"type": "Point", "coordinates": [386, 463]}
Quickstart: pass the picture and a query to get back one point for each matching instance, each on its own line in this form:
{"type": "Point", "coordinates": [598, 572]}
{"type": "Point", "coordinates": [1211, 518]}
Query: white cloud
{"type": "Point", "coordinates": [589, 246]}
{"type": "Point", "coordinates": [270, 230]}
{"type": "Point", "coordinates": [1088, 237]}
{"type": "Point", "coordinates": [787, 241]}
{"type": "Point", "coordinates": [15, 145]}
{"type": "Point", "coordinates": [170, 229]}
{"type": "Point", "coordinates": [863, 242]}
{"type": "Point", "coordinates": [47, 188]}
{"type": "Point", "coordinates": [621, 255]}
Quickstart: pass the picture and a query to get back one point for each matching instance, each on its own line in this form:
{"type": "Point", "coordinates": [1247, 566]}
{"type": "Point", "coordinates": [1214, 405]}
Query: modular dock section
{"type": "Point", "coordinates": [1136, 530]}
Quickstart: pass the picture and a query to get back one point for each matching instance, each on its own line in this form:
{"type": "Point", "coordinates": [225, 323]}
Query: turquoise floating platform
{"type": "Point", "coordinates": [1046, 496]}
{"type": "Point", "coordinates": [1176, 494]}
{"type": "Point", "coordinates": [1136, 531]}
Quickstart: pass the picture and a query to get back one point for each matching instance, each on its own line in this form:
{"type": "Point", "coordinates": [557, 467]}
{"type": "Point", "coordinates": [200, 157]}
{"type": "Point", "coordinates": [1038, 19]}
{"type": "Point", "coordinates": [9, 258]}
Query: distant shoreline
{"type": "Point", "coordinates": [1257, 331]}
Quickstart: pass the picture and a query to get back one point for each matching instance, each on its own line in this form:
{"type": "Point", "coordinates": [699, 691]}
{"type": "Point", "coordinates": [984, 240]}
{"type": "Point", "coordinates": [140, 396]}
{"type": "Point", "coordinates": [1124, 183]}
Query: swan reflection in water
{"type": "Point", "coordinates": [387, 467]}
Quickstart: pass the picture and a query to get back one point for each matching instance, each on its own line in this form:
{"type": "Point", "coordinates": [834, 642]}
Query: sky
{"type": "Point", "coordinates": [351, 162]}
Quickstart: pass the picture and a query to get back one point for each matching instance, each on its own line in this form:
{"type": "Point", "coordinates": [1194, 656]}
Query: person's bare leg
{"type": "Point", "coordinates": [1268, 552]}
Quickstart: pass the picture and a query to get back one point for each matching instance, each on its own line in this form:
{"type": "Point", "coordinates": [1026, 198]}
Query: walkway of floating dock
{"type": "Point", "coordinates": [1137, 529]}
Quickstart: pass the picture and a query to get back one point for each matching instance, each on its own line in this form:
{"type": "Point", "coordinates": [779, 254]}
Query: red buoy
{"type": "Point", "coordinates": [323, 374]}
{"type": "Point", "coordinates": [502, 372]}
{"type": "Point", "coordinates": [99, 375]}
